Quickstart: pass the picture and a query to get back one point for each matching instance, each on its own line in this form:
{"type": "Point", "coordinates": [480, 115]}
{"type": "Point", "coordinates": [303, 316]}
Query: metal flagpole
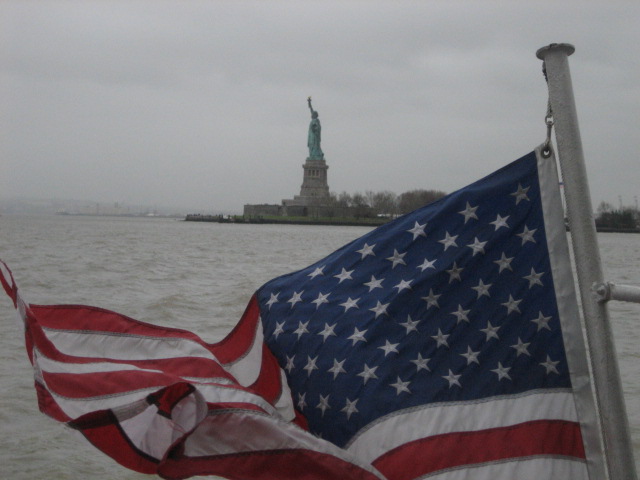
{"type": "Point", "coordinates": [614, 291]}
{"type": "Point", "coordinates": [613, 415]}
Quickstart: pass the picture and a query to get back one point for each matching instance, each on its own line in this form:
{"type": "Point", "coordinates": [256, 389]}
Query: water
{"type": "Point", "coordinates": [197, 276]}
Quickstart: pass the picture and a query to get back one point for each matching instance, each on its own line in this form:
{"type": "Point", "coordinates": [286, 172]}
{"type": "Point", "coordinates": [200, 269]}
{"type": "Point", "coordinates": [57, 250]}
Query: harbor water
{"type": "Point", "coordinates": [191, 275]}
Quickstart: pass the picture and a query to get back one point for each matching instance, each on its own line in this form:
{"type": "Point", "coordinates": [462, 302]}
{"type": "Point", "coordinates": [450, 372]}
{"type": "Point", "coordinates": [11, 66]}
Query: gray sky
{"type": "Point", "coordinates": [202, 104]}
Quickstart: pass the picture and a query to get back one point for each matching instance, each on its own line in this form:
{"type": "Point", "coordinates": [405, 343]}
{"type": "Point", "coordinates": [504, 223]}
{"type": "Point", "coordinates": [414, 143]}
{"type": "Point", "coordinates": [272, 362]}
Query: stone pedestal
{"type": "Point", "coordinates": [314, 192]}
{"type": "Point", "coordinates": [314, 182]}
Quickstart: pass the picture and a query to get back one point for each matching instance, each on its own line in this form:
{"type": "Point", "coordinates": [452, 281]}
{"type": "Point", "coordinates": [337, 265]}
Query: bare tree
{"type": "Point", "coordinates": [384, 203]}
{"type": "Point", "coordinates": [344, 200]}
{"type": "Point", "coordinates": [409, 201]}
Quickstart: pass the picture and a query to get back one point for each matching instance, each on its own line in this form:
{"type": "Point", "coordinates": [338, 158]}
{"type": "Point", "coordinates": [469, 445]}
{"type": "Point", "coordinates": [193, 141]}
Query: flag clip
{"type": "Point", "coordinates": [548, 120]}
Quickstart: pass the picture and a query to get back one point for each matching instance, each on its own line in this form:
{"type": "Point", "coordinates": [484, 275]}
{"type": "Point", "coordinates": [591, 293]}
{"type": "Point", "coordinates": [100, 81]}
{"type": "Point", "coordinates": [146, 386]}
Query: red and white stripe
{"type": "Point", "coordinates": [161, 400]}
{"type": "Point", "coordinates": [449, 436]}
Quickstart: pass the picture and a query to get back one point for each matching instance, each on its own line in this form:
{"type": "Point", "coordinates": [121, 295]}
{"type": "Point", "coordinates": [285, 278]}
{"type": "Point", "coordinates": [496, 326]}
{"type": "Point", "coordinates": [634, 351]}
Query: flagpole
{"type": "Point", "coordinates": [613, 415]}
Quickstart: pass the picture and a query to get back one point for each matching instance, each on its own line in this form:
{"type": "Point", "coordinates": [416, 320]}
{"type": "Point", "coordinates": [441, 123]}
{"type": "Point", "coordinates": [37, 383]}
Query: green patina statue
{"type": "Point", "coordinates": [313, 141]}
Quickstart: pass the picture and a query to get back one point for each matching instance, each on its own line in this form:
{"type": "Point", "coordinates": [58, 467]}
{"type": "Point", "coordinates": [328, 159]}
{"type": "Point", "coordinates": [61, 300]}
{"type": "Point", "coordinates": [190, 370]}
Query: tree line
{"type": "Point", "coordinates": [608, 217]}
{"type": "Point", "coordinates": [384, 203]}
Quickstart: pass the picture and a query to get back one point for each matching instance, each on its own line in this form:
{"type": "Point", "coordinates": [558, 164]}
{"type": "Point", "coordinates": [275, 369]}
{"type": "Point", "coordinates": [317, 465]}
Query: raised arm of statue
{"type": "Point", "coordinates": [310, 107]}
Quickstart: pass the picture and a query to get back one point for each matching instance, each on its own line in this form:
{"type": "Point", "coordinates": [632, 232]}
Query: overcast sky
{"type": "Point", "coordinates": [202, 104]}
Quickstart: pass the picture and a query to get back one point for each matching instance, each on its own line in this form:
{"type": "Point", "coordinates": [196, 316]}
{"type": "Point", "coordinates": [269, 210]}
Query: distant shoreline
{"type": "Point", "coordinates": [353, 222]}
{"type": "Point", "coordinates": [125, 215]}
{"type": "Point", "coordinates": [617, 230]}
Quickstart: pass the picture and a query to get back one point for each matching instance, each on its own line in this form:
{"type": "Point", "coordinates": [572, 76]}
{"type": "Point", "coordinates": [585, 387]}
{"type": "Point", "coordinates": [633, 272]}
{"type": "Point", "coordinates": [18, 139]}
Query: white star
{"type": "Point", "coordinates": [311, 365]}
{"type": "Point", "coordinates": [504, 262]}
{"type": "Point", "coordinates": [521, 348]}
{"type": "Point", "coordinates": [289, 365]}
{"type": "Point", "coordinates": [527, 235]}
{"type": "Point", "coordinates": [452, 379]}
{"type": "Point", "coordinates": [542, 322]}
{"type": "Point", "coordinates": [301, 401]}
{"type": "Point", "coordinates": [461, 315]}
{"type": "Point", "coordinates": [512, 305]}
{"type": "Point", "coordinates": [379, 309]}
{"type": "Point", "coordinates": [441, 338]}
{"type": "Point", "coordinates": [469, 212]}
{"type": "Point", "coordinates": [368, 373]}
{"type": "Point", "coordinates": [432, 299]}
{"type": "Point", "coordinates": [324, 404]}
{"type": "Point", "coordinates": [279, 329]}
{"type": "Point", "coordinates": [482, 288]}
{"type": "Point", "coordinates": [358, 336]}
{"type": "Point", "coordinates": [500, 222]}
{"type": "Point", "coordinates": [421, 363]}
{"type": "Point", "coordinates": [337, 368]}
{"type": "Point", "coordinates": [350, 303]}
{"type": "Point", "coordinates": [454, 272]}
{"type": "Point", "coordinates": [418, 230]}
{"type": "Point", "coordinates": [327, 332]}
{"type": "Point", "coordinates": [350, 408]}
{"type": "Point", "coordinates": [316, 272]}
{"type": "Point", "coordinates": [344, 275]}
{"type": "Point", "coordinates": [295, 298]}
{"type": "Point", "coordinates": [272, 300]}
{"type": "Point", "coordinates": [534, 278]}
{"type": "Point", "coordinates": [521, 194]}
{"type": "Point", "coordinates": [401, 386]}
{"type": "Point", "coordinates": [389, 347]}
{"type": "Point", "coordinates": [550, 366]}
{"type": "Point", "coordinates": [503, 372]}
{"type": "Point", "coordinates": [397, 258]}
{"type": "Point", "coordinates": [374, 283]}
{"type": "Point", "coordinates": [490, 331]}
{"type": "Point", "coordinates": [477, 246]}
{"type": "Point", "coordinates": [366, 250]}
{"type": "Point", "coordinates": [403, 284]}
{"type": "Point", "coordinates": [471, 356]}
{"type": "Point", "coordinates": [410, 325]}
{"type": "Point", "coordinates": [302, 329]}
{"type": "Point", "coordinates": [322, 298]}
{"type": "Point", "coordinates": [448, 241]}
{"type": "Point", "coordinates": [426, 264]}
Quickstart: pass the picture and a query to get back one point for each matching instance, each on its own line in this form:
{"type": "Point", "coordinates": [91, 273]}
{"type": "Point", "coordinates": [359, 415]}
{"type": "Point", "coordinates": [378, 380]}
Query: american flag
{"type": "Point", "coordinates": [435, 342]}
{"type": "Point", "coordinates": [444, 344]}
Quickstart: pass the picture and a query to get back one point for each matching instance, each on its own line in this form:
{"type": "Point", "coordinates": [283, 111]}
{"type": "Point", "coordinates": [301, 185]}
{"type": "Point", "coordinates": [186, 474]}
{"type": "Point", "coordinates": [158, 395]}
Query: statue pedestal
{"type": "Point", "coordinates": [314, 181]}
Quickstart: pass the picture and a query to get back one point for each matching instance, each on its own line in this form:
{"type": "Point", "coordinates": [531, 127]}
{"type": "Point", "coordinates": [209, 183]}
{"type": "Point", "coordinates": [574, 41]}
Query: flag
{"type": "Point", "coordinates": [445, 344]}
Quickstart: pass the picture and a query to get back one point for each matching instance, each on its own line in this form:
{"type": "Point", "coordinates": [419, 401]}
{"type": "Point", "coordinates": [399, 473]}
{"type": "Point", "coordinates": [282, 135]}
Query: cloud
{"type": "Point", "coordinates": [203, 104]}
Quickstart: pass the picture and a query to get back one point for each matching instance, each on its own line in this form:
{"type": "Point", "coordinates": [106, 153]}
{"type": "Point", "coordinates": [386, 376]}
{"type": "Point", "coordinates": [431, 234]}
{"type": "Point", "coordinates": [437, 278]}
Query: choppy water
{"type": "Point", "coordinates": [197, 276]}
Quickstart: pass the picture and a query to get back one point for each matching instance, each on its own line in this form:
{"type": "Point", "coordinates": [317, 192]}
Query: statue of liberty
{"type": "Point", "coordinates": [313, 141]}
